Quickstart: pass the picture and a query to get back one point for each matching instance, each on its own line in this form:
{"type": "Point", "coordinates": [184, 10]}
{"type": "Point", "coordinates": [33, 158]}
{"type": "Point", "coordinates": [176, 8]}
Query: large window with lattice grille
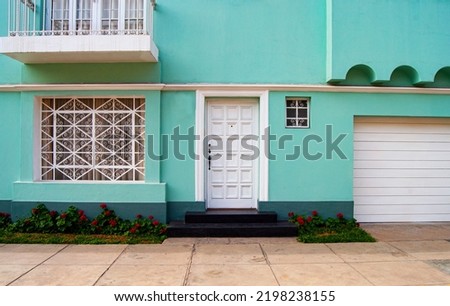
{"type": "Point", "coordinates": [92, 139]}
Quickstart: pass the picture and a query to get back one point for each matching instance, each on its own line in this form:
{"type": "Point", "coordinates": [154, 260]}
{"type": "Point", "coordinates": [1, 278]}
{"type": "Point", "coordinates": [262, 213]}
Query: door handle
{"type": "Point", "coordinates": [209, 156]}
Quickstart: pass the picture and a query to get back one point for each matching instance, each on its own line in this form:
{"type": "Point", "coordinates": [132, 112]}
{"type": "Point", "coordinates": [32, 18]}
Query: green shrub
{"type": "Point", "coordinates": [315, 229]}
{"type": "Point", "coordinates": [75, 221]}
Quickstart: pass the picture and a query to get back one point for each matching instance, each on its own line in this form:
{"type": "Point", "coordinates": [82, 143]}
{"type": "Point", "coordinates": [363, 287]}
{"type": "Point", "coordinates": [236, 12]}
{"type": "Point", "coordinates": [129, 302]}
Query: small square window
{"type": "Point", "coordinates": [297, 112]}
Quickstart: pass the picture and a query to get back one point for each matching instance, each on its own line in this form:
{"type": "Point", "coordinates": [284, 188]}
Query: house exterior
{"type": "Point", "coordinates": [172, 106]}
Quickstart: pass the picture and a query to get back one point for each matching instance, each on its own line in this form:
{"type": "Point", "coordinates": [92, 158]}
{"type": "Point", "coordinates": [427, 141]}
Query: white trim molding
{"type": "Point", "coordinates": [201, 97]}
{"type": "Point", "coordinates": [224, 87]}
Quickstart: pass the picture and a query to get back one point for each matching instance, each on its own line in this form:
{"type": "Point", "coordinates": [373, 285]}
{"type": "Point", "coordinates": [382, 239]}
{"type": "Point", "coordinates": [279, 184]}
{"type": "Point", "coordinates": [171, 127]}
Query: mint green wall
{"type": "Point", "coordinates": [386, 34]}
{"type": "Point", "coordinates": [91, 73]}
{"type": "Point", "coordinates": [10, 135]}
{"type": "Point", "coordinates": [307, 180]}
{"type": "Point", "coordinates": [323, 180]}
{"type": "Point", "coordinates": [236, 41]}
{"type": "Point", "coordinates": [178, 110]}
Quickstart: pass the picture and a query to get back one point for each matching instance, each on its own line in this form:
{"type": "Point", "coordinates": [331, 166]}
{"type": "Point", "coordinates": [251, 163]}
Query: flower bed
{"type": "Point", "coordinates": [314, 229]}
{"type": "Point", "coordinates": [75, 221]}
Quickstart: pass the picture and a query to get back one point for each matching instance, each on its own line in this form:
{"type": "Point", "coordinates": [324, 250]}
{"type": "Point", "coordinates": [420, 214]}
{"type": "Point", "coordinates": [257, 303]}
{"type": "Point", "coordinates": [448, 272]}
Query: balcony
{"type": "Point", "coordinates": [80, 31]}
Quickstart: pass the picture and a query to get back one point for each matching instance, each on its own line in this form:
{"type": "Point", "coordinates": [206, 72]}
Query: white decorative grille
{"type": "Point", "coordinates": [93, 139]}
{"type": "Point", "coordinates": [297, 112]}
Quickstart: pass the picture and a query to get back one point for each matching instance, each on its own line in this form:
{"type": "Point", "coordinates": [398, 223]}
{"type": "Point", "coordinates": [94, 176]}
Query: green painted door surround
{"type": "Point", "coordinates": [313, 46]}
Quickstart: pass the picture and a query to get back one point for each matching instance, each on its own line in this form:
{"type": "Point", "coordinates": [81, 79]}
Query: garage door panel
{"type": "Point", "coordinates": [405, 191]}
{"type": "Point", "coordinates": [404, 217]}
{"type": "Point", "coordinates": [392, 209]}
{"type": "Point", "coordinates": [401, 164]}
{"type": "Point", "coordinates": [403, 200]}
{"type": "Point", "coordinates": [402, 146]}
{"type": "Point", "coordinates": [400, 155]}
{"type": "Point", "coordinates": [411, 182]}
{"type": "Point", "coordinates": [412, 128]}
{"type": "Point", "coordinates": [402, 169]}
{"type": "Point", "coordinates": [393, 137]}
{"type": "Point", "coordinates": [401, 173]}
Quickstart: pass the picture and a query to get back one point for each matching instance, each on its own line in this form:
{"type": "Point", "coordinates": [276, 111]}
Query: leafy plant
{"type": "Point", "coordinates": [75, 221]}
{"type": "Point", "coordinates": [314, 229]}
{"type": "Point", "coordinates": [5, 220]}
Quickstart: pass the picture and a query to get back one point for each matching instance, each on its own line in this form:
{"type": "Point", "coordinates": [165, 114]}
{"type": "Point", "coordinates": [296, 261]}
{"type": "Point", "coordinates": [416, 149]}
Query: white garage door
{"type": "Point", "coordinates": [401, 169]}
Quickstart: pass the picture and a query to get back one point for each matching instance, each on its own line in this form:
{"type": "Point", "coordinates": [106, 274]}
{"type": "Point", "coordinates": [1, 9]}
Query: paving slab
{"type": "Point", "coordinates": [405, 273]}
{"type": "Point", "coordinates": [426, 250]}
{"type": "Point", "coordinates": [62, 275]}
{"type": "Point", "coordinates": [299, 253]}
{"type": "Point", "coordinates": [443, 265]}
{"type": "Point", "coordinates": [367, 252]}
{"type": "Point", "coordinates": [264, 240]}
{"type": "Point", "coordinates": [87, 255]}
{"type": "Point", "coordinates": [237, 254]}
{"type": "Point", "coordinates": [139, 275]}
{"type": "Point", "coordinates": [231, 275]}
{"type": "Point", "coordinates": [16, 254]}
{"type": "Point", "coordinates": [156, 254]}
{"type": "Point", "coordinates": [9, 273]}
{"type": "Point", "coordinates": [408, 231]}
{"type": "Point", "coordinates": [328, 274]}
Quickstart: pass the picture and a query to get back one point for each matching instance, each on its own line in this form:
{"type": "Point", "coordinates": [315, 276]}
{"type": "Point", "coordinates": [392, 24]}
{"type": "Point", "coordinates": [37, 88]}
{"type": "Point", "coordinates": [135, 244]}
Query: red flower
{"type": "Point", "coordinates": [315, 213]}
{"type": "Point", "coordinates": [112, 222]}
{"type": "Point", "coordinates": [299, 218]}
{"type": "Point", "coordinates": [63, 216]}
{"type": "Point", "coordinates": [309, 219]}
{"type": "Point", "coordinates": [301, 221]}
{"type": "Point", "coordinates": [290, 214]}
{"type": "Point", "coordinates": [80, 212]}
{"type": "Point", "coordinates": [155, 223]}
{"type": "Point", "coordinates": [151, 217]}
{"type": "Point", "coordinates": [137, 225]}
{"type": "Point", "coordinates": [107, 213]}
{"type": "Point", "coordinates": [103, 206]}
{"type": "Point", "coordinates": [94, 223]}
{"type": "Point", "coordinates": [83, 218]}
{"type": "Point", "coordinates": [133, 230]}
{"type": "Point", "coordinates": [340, 216]}
{"type": "Point", "coordinates": [139, 216]}
{"type": "Point", "coordinates": [53, 213]}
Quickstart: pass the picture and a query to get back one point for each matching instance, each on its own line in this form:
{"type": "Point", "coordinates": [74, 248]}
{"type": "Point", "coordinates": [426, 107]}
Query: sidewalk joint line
{"type": "Point", "coordinates": [37, 265]}
{"type": "Point", "coordinates": [110, 265]}
{"type": "Point", "coordinates": [268, 263]}
{"type": "Point", "coordinates": [188, 269]}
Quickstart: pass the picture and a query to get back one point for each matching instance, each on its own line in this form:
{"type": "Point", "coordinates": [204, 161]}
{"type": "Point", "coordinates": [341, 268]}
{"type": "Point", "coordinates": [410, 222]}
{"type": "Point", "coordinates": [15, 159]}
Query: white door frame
{"type": "Point", "coordinates": [200, 177]}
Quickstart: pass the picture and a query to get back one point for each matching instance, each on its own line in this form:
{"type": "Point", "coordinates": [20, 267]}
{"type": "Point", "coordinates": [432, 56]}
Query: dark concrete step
{"type": "Point", "coordinates": [277, 229]}
{"type": "Point", "coordinates": [231, 216]}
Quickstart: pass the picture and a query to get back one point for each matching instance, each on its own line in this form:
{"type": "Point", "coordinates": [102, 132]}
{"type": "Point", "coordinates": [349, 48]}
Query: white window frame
{"type": "Point", "coordinates": [42, 144]}
{"type": "Point", "coordinates": [97, 18]}
{"type": "Point", "coordinates": [306, 100]}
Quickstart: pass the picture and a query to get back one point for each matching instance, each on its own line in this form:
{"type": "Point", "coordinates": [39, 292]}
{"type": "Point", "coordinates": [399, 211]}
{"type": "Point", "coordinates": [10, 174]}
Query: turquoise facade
{"type": "Point", "coordinates": [351, 58]}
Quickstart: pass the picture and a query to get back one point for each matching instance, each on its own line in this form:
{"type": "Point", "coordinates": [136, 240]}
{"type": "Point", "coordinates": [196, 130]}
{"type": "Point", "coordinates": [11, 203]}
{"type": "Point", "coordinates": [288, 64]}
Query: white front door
{"type": "Point", "coordinates": [232, 153]}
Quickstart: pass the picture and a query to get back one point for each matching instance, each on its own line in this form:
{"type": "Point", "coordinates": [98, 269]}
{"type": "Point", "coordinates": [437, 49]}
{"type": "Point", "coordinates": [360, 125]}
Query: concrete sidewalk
{"type": "Point", "coordinates": [405, 254]}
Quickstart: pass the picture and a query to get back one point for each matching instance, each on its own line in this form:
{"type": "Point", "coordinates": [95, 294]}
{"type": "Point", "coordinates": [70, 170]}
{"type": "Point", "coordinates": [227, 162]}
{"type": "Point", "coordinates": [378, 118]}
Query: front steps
{"type": "Point", "coordinates": [231, 223]}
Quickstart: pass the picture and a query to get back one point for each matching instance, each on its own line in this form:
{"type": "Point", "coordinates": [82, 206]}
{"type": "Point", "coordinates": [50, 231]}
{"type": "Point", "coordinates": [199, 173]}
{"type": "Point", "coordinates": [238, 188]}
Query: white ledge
{"type": "Point", "coordinates": [224, 87]}
{"type": "Point", "coordinates": [80, 48]}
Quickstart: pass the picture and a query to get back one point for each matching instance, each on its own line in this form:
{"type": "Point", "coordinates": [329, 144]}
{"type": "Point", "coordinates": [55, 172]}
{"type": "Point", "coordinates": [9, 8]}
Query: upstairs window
{"type": "Point", "coordinates": [106, 17]}
{"type": "Point", "coordinates": [92, 139]}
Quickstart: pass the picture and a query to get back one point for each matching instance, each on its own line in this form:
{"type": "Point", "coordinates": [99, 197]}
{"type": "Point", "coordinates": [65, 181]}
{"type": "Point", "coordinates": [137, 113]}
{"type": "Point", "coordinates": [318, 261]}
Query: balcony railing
{"type": "Point", "coordinates": [80, 31]}
{"type": "Point", "coordinates": [79, 17]}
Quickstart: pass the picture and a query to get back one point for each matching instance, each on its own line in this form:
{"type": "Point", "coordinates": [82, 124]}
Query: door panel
{"type": "Point", "coordinates": [232, 170]}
